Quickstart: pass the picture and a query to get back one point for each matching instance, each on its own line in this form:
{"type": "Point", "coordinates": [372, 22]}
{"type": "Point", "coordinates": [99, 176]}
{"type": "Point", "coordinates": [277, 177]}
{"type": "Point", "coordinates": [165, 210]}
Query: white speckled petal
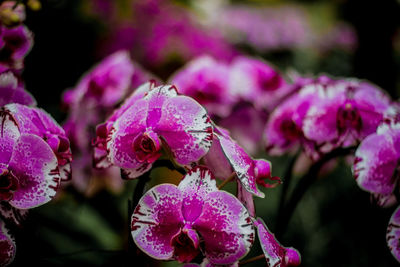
{"type": "Point", "coordinates": [9, 133]}
{"type": "Point", "coordinates": [186, 128]}
{"type": "Point", "coordinates": [199, 179]}
{"type": "Point", "coordinates": [156, 220]}
{"type": "Point", "coordinates": [393, 234]}
{"type": "Point", "coordinates": [11, 214]}
{"type": "Point", "coordinates": [275, 254]}
{"type": "Point", "coordinates": [375, 163]}
{"type": "Point", "coordinates": [241, 163]}
{"type": "Point", "coordinates": [7, 245]}
{"type": "Point", "coordinates": [195, 187]}
{"type": "Point", "coordinates": [35, 165]}
{"type": "Point", "coordinates": [226, 228]}
{"type": "Point", "coordinates": [120, 144]}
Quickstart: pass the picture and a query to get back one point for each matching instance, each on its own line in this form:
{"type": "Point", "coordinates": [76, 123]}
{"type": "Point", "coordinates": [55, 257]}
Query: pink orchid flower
{"type": "Point", "coordinates": [345, 112]}
{"type": "Point", "coordinates": [152, 118]}
{"type": "Point", "coordinates": [376, 163]}
{"type": "Point", "coordinates": [15, 43]}
{"type": "Point", "coordinates": [206, 80]}
{"type": "Point", "coordinates": [177, 222]}
{"type": "Point", "coordinates": [29, 175]}
{"type": "Point", "coordinates": [35, 121]}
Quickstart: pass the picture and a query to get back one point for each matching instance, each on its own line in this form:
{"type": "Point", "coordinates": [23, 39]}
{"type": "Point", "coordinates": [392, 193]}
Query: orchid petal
{"type": "Point", "coordinates": [226, 228]}
{"type": "Point", "coordinates": [275, 254]}
{"type": "Point", "coordinates": [376, 162]}
{"type": "Point", "coordinates": [9, 133]}
{"type": "Point", "coordinates": [393, 234]}
{"type": "Point", "coordinates": [186, 128]}
{"type": "Point", "coordinates": [195, 187]}
{"type": "Point", "coordinates": [156, 220]}
{"type": "Point", "coordinates": [120, 145]}
{"type": "Point", "coordinates": [241, 163]}
{"type": "Point", "coordinates": [38, 174]}
{"type": "Point", "coordinates": [7, 245]}
{"type": "Point", "coordinates": [11, 214]}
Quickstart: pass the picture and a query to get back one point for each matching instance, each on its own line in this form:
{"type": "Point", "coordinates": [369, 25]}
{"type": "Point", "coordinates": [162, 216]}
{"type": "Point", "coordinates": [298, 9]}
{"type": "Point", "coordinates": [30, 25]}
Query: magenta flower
{"type": "Point", "coordinates": [177, 222]}
{"type": "Point", "coordinates": [7, 245]}
{"type": "Point", "coordinates": [29, 175]}
{"type": "Point", "coordinates": [35, 121]}
{"type": "Point", "coordinates": [103, 130]}
{"type": "Point", "coordinates": [345, 112]}
{"type": "Point", "coordinates": [283, 131]}
{"type": "Point", "coordinates": [255, 81]}
{"type": "Point", "coordinates": [105, 84]}
{"type": "Point", "coordinates": [226, 156]}
{"type": "Point", "coordinates": [393, 234]}
{"type": "Point", "coordinates": [15, 43]}
{"type": "Point", "coordinates": [376, 162]}
{"type": "Point", "coordinates": [136, 132]}
{"type": "Point", "coordinates": [206, 80]}
{"type": "Point", "coordinates": [12, 91]}
{"type": "Point", "coordinates": [90, 102]}
{"type": "Point", "coordinates": [275, 254]}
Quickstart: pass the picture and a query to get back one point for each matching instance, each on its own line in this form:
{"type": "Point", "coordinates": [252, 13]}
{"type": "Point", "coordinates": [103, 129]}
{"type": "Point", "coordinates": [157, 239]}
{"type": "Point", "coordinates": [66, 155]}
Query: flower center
{"type": "Point", "coordinates": [8, 185]}
{"type": "Point", "coordinates": [348, 117]}
{"type": "Point", "coordinates": [146, 146]}
{"type": "Point", "coordinates": [95, 89]}
{"type": "Point", "coordinates": [269, 82]}
{"type": "Point", "coordinates": [291, 130]}
{"type": "Point", "coordinates": [185, 248]}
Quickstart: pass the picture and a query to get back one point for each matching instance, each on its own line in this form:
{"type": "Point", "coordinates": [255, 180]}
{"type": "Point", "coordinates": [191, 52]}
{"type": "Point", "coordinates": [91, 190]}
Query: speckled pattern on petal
{"type": "Point", "coordinates": [241, 163]}
{"type": "Point", "coordinates": [156, 220]}
{"type": "Point", "coordinates": [13, 215]}
{"type": "Point", "coordinates": [393, 234]}
{"type": "Point", "coordinates": [226, 228]}
{"type": "Point", "coordinates": [9, 133]}
{"type": "Point", "coordinates": [120, 144]}
{"type": "Point", "coordinates": [375, 162]}
{"type": "Point", "coordinates": [35, 165]}
{"type": "Point", "coordinates": [7, 245]}
{"type": "Point", "coordinates": [186, 128]}
{"type": "Point", "coordinates": [275, 254]}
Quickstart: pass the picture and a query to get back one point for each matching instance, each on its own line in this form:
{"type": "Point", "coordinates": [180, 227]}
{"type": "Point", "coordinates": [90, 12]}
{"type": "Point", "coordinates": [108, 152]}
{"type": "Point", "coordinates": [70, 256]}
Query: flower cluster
{"type": "Point", "coordinates": [35, 154]}
{"type": "Point", "coordinates": [223, 89]}
{"type": "Point", "coordinates": [326, 114]}
{"type": "Point", "coordinates": [96, 94]}
{"type": "Point", "coordinates": [179, 223]}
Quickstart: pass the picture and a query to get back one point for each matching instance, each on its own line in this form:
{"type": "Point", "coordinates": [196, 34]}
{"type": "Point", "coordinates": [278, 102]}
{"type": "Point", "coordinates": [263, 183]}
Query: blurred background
{"type": "Point", "coordinates": [335, 224]}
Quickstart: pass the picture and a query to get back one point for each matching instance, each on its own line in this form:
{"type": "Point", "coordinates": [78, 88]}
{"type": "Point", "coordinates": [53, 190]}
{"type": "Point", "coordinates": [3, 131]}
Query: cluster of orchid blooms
{"type": "Point", "coordinates": [123, 121]}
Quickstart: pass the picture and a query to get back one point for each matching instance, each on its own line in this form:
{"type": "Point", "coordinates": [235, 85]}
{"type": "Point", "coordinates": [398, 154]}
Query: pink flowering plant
{"type": "Point", "coordinates": [194, 133]}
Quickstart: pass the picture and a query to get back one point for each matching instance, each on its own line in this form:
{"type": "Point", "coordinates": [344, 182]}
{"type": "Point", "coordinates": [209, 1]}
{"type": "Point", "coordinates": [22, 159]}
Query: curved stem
{"type": "Point", "coordinates": [303, 185]}
{"type": "Point", "coordinates": [168, 164]}
{"type": "Point", "coordinates": [227, 180]}
{"type": "Point", "coordinates": [256, 258]}
{"type": "Point", "coordinates": [286, 183]}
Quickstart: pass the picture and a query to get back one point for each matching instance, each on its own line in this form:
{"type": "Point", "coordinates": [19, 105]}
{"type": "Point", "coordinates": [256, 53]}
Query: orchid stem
{"type": "Point", "coordinates": [287, 178]}
{"type": "Point", "coordinates": [303, 185]}
{"type": "Point", "coordinates": [256, 258]}
{"type": "Point", "coordinates": [227, 180]}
